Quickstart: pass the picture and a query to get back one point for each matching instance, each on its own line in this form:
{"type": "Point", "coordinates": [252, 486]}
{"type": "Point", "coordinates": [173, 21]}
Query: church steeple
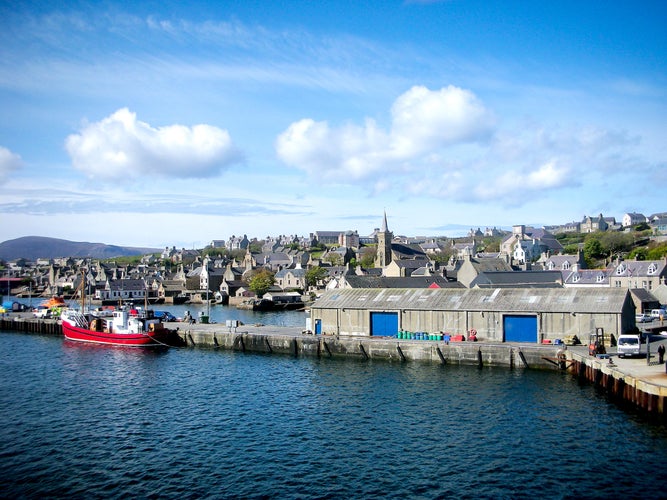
{"type": "Point", "coordinates": [383, 256]}
{"type": "Point", "coordinates": [384, 227]}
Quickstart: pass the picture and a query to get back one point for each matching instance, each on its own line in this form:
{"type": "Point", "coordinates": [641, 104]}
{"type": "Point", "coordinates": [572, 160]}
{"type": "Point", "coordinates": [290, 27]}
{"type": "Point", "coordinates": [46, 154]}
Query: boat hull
{"type": "Point", "coordinates": [147, 339]}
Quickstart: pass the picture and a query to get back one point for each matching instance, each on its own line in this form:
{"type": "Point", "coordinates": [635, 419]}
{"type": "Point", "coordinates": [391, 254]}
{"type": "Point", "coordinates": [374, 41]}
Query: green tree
{"type": "Point", "coordinates": [315, 274]}
{"type": "Point", "coordinates": [614, 242]}
{"type": "Point", "coordinates": [261, 281]}
{"type": "Point", "coordinates": [656, 251]}
{"type": "Point", "coordinates": [334, 258]}
{"type": "Point", "coordinates": [368, 257]}
{"type": "Point", "coordinates": [571, 249]}
{"type": "Point", "coordinates": [638, 254]}
{"type": "Point", "coordinates": [593, 249]}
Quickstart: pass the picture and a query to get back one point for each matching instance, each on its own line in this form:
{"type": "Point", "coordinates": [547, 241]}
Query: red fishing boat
{"type": "Point", "coordinates": [124, 327]}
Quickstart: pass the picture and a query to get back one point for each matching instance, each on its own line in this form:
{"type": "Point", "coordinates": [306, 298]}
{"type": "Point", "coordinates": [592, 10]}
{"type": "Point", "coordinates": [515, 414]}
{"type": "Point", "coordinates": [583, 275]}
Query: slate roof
{"type": "Point", "coordinates": [355, 281]}
{"type": "Point", "coordinates": [297, 273]}
{"type": "Point", "coordinates": [634, 268]}
{"type": "Point", "coordinates": [550, 300]}
{"type": "Point", "coordinates": [401, 251]}
{"type": "Point", "coordinates": [599, 277]}
{"type": "Point", "coordinates": [533, 279]}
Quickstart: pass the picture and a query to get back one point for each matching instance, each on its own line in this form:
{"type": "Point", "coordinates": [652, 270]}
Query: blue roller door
{"type": "Point", "coordinates": [384, 324]}
{"type": "Point", "coordinates": [520, 328]}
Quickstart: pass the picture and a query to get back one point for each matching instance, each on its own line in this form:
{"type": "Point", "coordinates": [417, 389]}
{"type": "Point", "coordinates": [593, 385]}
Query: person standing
{"type": "Point", "coordinates": [661, 353]}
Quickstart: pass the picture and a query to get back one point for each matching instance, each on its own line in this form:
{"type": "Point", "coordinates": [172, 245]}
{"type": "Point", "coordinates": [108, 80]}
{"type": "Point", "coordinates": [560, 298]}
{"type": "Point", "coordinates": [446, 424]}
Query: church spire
{"type": "Point", "coordinates": [383, 254]}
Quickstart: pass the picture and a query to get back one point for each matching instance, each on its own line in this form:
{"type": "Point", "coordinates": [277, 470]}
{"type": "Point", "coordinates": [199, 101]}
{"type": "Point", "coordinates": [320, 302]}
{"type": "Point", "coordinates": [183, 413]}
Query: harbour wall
{"type": "Point", "coordinates": [644, 391]}
{"type": "Point", "coordinates": [370, 348]}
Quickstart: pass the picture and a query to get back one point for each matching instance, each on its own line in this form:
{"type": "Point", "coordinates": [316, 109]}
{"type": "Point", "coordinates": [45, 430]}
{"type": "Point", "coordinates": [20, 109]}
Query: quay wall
{"type": "Point", "coordinates": [620, 385]}
{"type": "Point", "coordinates": [292, 342]}
{"type": "Point", "coordinates": [274, 341]}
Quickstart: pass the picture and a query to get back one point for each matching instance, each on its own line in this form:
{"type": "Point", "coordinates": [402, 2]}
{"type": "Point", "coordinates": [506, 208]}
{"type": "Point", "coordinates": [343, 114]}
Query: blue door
{"type": "Point", "coordinates": [520, 328]}
{"type": "Point", "coordinates": [384, 324]}
{"type": "Point", "coordinates": [318, 327]}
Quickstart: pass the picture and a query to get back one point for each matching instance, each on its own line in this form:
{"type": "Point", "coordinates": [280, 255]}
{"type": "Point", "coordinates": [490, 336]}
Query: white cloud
{"type": "Point", "coordinates": [120, 146]}
{"type": "Point", "coordinates": [9, 162]}
{"type": "Point", "coordinates": [424, 122]}
{"type": "Point", "coordinates": [513, 186]}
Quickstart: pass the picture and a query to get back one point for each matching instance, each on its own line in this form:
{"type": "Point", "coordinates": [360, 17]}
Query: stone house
{"type": "Point", "coordinates": [469, 268]}
{"type": "Point", "coordinates": [288, 279]}
{"type": "Point", "coordinates": [632, 219]}
{"type": "Point", "coordinates": [526, 244]}
{"type": "Point", "coordinates": [646, 274]}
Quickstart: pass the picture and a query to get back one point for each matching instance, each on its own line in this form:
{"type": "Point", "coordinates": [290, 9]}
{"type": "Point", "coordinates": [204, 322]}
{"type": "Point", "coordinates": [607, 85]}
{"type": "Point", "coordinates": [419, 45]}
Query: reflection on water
{"type": "Point", "coordinates": [98, 421]}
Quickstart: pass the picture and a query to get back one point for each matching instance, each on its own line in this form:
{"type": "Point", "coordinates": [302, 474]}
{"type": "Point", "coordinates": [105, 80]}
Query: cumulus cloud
{"type": "Point", "coordinates": [513, 185]}
{"type": "Point", "coordinates": [9, 162]}
{"type": "Point", "coordinates": [444, 144]}
{"type": "Point", "coordinates": [423, 123]}
{"type": "Point", "coordinates": [120, 146]}
{"type": "Point", "coordinates": [424, 120]}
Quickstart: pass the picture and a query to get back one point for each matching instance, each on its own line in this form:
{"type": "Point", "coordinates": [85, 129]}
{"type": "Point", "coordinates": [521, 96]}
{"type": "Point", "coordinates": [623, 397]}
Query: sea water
{"type": "Point", "coordinates": [85, 421]}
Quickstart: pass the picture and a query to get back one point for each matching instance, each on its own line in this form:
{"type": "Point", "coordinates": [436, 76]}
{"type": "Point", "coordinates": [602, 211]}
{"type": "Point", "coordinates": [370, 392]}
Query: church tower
{"type": "Point", "coordinates": [384, 236]}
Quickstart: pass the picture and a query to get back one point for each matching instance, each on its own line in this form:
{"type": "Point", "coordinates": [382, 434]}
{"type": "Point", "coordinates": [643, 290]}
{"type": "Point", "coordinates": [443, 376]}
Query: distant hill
{"type": "Point", "coordinates": [38, 247]}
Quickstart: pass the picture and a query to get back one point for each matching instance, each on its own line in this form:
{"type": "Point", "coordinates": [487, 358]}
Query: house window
{"type": "Point", "coordinates": [617, 283]}
{"type": "Point", "coordinates": [644, 285]}
{"type": "Point", "coordinates": [576, 278]}
{"type": "Point", "coordinates": [652, 268]}
{"type": "Point", "coordinates": [600, 278]}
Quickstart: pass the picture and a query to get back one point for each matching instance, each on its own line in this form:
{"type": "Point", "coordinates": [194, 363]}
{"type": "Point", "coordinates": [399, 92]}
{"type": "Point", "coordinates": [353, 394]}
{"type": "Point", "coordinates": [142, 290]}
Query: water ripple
{"type": "Point", "coordinates": [94, 422]}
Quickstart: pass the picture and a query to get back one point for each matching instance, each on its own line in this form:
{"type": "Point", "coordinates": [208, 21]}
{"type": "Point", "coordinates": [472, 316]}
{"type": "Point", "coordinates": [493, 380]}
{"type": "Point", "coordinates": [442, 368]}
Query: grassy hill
{"type": "Point", "coordinates": [36, 247]}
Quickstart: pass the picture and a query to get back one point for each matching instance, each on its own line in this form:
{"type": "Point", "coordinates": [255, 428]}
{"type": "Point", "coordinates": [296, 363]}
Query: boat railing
{"type": "Point", "coordinates": [78, 318]}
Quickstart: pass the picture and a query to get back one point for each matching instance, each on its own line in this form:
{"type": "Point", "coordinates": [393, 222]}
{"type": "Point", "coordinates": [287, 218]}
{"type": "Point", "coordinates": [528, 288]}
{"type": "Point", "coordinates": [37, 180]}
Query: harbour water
{"type": "Point", "coordinates": [220, 314]}
{"type": "Point", "coordinates": [85, 421]}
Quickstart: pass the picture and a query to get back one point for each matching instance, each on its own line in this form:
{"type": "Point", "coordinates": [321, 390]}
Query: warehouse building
{"type": "Point", "coordinates": [496, 315]}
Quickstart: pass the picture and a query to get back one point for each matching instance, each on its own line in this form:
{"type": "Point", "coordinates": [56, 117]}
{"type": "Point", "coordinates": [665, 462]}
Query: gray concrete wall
{"type": "Point", "coordinates": [363, 348]}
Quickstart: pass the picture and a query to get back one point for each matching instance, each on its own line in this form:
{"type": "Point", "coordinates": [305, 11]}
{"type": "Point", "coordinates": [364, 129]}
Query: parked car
{"type": "Point", "coordinates": [41, 312]}
{"type": "Point", "coordinates": [643, 318]}
{"type": "Point", "coordinates": [164, 316]}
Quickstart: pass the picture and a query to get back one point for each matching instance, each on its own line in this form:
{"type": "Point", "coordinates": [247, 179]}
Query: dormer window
{"type": "Point", "coordinates": [566, 265]}
{"type": "Point", "coordinates": [621, 269]}
{"type": "Point", "coordinates": [576, 278]}
{"type": "Point", "coordinates": [599, 278]}
{"type": "Point", "coordinates": [652, 268]}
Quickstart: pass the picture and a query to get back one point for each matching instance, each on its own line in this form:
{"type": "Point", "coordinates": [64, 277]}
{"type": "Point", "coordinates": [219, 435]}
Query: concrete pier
{"type": "Point", "coordinates": [632, 382]}
{"type": "Point", "coordinates": [629, 381]}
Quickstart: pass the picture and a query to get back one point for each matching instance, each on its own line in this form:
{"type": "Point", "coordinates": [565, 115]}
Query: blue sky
{"type": "Point", "coordinates": [175, 123]}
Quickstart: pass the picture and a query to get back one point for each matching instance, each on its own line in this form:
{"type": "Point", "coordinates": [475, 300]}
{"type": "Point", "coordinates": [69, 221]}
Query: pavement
{"type": "Point", "coordinates": [637, 367]}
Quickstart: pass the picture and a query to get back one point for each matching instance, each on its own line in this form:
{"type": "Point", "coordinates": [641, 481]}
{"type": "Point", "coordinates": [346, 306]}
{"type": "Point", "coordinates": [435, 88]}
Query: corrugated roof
{"type": "Point", "coordinates": [603, 300]}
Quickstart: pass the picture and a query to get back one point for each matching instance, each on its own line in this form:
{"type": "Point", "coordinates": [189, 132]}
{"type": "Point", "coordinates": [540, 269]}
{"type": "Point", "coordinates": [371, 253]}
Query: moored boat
{"type": "Point", "coordinates": [125, 327]}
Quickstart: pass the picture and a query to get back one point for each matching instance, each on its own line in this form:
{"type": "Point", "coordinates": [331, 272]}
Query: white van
{"type": "Point", "coordinates": [659, 313]}
{"type": "Point", "coordinates": [628, 345]}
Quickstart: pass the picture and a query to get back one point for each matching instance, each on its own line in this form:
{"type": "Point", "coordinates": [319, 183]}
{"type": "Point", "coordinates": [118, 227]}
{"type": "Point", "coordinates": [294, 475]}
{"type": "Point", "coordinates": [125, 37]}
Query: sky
{"type": "Point", "coordinates": [172, 123]}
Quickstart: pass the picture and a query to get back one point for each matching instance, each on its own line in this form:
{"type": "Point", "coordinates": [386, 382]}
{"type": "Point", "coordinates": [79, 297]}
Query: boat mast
{"type": "Point", "coordinates": [83, 290]}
